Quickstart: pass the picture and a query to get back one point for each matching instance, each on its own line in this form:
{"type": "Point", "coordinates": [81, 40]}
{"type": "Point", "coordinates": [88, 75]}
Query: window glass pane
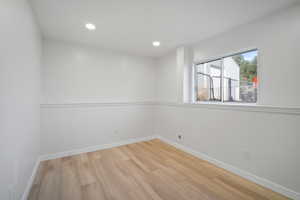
{"type": "Point", "coordinates": [208, 81]}
{"type": "Point", "coordinates": [240, 78]}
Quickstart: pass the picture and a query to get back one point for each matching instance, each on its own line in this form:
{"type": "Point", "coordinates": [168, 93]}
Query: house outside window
{"type": "Point", "coordinates": [227, 79]}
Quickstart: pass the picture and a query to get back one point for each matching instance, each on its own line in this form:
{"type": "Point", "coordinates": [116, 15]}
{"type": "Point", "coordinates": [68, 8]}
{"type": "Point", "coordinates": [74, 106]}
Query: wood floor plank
{"type": "Point", "coordinates": [70, 183]}
{"type": "Point", "coordinates": [141, 179]}
{"type": "Point", "coordinates": [151, 170]}
{"type": "Point", "coordinates": [51, 183]}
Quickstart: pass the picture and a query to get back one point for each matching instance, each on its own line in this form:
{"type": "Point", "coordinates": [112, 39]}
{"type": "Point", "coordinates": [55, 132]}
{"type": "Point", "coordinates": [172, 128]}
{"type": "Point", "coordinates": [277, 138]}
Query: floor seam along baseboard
{"type": "Point", "coordinates": [258, 180]}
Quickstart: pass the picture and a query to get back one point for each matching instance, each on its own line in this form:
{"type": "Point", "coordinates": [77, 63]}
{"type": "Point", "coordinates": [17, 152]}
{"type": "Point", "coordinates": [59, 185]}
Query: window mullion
{"type": "Point", "coordinates": [221, 81]}
{"type": "Point", "coordinates": [195, 83]}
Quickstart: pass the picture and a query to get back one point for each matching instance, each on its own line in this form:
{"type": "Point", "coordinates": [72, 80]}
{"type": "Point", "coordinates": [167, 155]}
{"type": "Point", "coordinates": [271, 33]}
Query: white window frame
{"type": "Point", "coordinates": [194, 77]}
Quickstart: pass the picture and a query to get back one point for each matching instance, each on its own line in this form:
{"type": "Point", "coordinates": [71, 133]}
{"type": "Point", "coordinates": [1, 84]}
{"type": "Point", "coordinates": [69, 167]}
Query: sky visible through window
{"type": "Point", "coordinates": [249, 56]}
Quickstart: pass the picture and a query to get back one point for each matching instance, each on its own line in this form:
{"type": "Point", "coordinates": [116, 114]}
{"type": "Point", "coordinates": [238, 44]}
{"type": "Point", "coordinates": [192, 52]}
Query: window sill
{"type": "Point", "coordinates": [243, 107]}
{"type": "Point", "coordinates": [225, 104]}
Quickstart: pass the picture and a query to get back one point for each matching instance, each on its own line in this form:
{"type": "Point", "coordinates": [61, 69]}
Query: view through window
{"type": "Point", "coordinates": [228, 79]}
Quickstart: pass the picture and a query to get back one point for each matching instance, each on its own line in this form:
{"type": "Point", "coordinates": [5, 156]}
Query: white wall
{"type": "Point", "coordinates": [77, 127]}
{"type": "Point", "coordinates": [166, 78]}
{"type": "Point", "coordinates": [173, 77]}
{"type": "Point", "coordinates": [79, 74]}
{"type": "Point", "coordinates": [74, 73]}
{"type": "Point", "coordinates": [19, 96]}
{"type": "Point", "coordinates": [265, 144]}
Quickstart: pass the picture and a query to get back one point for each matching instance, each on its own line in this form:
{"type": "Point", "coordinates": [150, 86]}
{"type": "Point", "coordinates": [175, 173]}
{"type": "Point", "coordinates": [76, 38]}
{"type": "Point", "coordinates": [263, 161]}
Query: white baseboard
{"type": "Point", "coordinates": [261, 181]}
{"type": "Point", "coordinates": [30, 181]}
{"type": "Point", "coordinates": [94, 148]}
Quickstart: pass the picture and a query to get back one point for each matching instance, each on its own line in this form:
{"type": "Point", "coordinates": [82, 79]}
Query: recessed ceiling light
{"type": "Point", "coordinates": [156, 43]}
{"type": "Point", "coordinates": [90, 26]}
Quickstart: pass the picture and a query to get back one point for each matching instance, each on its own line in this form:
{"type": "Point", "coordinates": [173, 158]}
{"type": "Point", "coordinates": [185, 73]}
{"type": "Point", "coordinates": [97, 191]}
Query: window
{"type": "Point", "coordinates": [228, 79]}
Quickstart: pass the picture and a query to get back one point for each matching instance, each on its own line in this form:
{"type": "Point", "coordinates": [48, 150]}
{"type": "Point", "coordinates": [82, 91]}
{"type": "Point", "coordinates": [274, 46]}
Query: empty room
{"type": "Point", "coordinates": [149, 100]}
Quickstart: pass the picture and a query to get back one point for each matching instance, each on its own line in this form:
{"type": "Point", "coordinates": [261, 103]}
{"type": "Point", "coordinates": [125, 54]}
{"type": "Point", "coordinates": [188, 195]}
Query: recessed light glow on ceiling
{"type": "Point", "coordinates": [156, 43]}
{"type": "Point", "coordinates": [90, 26]}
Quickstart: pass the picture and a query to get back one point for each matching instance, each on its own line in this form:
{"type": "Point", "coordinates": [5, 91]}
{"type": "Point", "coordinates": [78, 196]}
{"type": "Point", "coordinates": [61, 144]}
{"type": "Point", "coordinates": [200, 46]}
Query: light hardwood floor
{"type": "Point", "coordinates": [150, 170]}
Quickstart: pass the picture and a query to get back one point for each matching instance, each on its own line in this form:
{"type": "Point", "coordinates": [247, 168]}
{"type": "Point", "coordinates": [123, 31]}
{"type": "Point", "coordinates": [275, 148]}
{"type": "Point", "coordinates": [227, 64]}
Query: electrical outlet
{"type": "Point", "coordinates": [179, 137]}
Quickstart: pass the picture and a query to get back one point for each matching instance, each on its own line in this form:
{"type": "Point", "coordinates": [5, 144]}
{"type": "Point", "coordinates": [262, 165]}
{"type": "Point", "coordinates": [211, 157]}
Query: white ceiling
{"type": "Point", "coordinates": [132, 25]}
